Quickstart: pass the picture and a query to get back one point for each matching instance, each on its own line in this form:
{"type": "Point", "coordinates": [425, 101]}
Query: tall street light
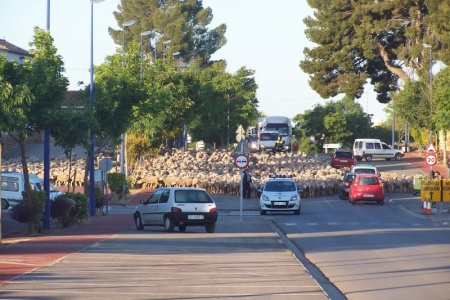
{"type": "Point", "coordinates": [165, 43]}
{"type": "Point", "coordinates": [156, 37]}
{"type": "Point", "coordinates": [122, 144]}
{"type": "Point", "coordinates": [175, 54]}
{"type": "Point", "coordinates": [91, 103]}
{"type": "Point", "coordinates": [46, 223]}
{"type": "Point", "coordinates": [427, 46]}
{"type": "Point", "coordinates": [145, 33]}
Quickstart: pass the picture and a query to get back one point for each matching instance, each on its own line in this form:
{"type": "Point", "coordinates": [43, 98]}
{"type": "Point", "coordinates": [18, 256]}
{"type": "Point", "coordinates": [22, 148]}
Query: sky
{"type": "Point", "coordinates": [266, 36]}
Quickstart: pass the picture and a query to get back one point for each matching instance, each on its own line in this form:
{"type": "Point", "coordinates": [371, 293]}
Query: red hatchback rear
{"type": "Point", "coordinates": [342, 158]}
{"type": "Point", "coordinates": [366, 187]}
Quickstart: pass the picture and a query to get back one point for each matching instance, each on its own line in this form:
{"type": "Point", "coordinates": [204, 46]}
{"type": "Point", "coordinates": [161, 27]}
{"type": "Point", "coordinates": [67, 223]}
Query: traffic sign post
{"type": "Point", "coordinates": [431, 150]}
{"type": "Point", "coordinates": [241, 162]}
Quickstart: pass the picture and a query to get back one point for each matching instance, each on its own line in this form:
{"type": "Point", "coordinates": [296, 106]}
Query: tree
{"type": "Point", "coordinates": [370, 40]}
{"type": "Point", "coordinates": [35, 90]}
{"type": "Point", "coordinates": [225, 101]}
{"type": "Point", "coordinates": [336, 122]}
{"type": "Point", "coordinates": [184, 23]}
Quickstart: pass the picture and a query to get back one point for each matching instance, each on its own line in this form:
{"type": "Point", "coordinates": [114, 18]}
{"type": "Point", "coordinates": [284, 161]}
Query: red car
{"type": "Point", "coordinates": [366, 187]}
{"type": "Point", "coordinates": [342, 158]}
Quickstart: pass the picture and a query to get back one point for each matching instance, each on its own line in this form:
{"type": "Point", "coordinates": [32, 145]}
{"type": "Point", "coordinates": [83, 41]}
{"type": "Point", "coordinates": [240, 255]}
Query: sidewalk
{"type": "Point", "coordinates": [22, 254]}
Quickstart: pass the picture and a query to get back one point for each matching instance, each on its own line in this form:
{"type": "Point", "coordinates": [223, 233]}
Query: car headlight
{"type": "Point", "coordinates": [294, 198]}
{"type": "Point", "coordinates": [265, 198]}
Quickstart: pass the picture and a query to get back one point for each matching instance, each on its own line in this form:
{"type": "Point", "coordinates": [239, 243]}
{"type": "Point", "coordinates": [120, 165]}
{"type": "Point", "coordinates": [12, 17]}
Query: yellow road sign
{"type": "Point", "coordinates": [435, 190]}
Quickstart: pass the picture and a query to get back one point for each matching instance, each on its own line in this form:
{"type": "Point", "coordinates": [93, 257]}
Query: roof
{"type": "Point", "coordinates": [75, 99]}
{"type": "Point", "coordinates": [10, 48]}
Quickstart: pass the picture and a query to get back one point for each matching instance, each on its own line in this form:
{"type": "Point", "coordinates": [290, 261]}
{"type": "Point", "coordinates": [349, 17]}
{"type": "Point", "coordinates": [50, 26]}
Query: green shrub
{"type": "Point", "coordinates": [307, 146]}
{"type": "Point", "coordinates": [116, 182]}
{"type": "Point", "coordinates": [30, 210]}
{"type": "Point", "coordinates": [83, 205]}
{"type": "Point", "coordinates": [69, 208]}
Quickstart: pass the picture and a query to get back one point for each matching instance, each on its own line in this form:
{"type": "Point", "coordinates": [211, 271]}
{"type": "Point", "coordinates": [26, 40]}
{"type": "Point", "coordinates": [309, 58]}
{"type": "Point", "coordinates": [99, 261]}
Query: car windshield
{"type": "Point", "coordinates": [279, 186]}
{"type": "Point", "coordinates": [350, 178]}
{"type": "Point", "coordinates": [368, 181]}
{"type": "Point", "coordinates": [192, 196]}
{"type": "Point", "coordinates": [265, 136]}
{"type": "Point", "coordinates": [364, 171]}
{"type": "Point", "coordinates": [343, 154]}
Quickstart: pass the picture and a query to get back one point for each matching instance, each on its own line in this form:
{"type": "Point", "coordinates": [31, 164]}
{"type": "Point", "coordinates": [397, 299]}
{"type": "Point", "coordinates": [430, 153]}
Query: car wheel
{"type": "Point", "coordinates": [138, 222]}
{"type": "Point", "coordinates": [380, 202]}
{"type": "Point", "coordinates": [358, 158]}
{"type": "Point", "coordinates": [297, 212]}
{"type": "Point", "coordinates": [168, 225]}
{"type": "Point", "coordinates": [210, 228]}
{"type": "Point", "coordinates": [352, 201]}
{"type": "Point", "coordinates": [369, 158]}
{"type": "Point", "coordinates": [340, 195]}
{"type": "Point", "coordinates": [388, 159]}
{"type": "Point", "coordinates": [262, 212]}
{"type": "Point", "coordinates": [182, 228]}
{"type": "Point", "coordinates": [398, 157]}
{"type": "Point", "coordinates": [5, 204]}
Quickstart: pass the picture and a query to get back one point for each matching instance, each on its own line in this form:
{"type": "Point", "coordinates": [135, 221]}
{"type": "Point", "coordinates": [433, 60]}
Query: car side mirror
{"type": "Point", "coordinates": [142, 201]}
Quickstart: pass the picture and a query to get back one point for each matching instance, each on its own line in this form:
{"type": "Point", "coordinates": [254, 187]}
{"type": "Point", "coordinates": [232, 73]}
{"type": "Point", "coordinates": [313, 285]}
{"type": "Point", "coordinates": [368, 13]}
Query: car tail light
{"type": "Point", "coordinates": [176, 210]}
{"type": "Point", "coordinates": [346, 184]}
{"type": "Point", "coordinates": [213, 210]}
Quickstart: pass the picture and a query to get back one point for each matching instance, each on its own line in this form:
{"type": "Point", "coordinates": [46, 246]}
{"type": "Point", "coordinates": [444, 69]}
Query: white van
{"type": "Point", "coordinates": [13, 185]}
{"type": "Point", "coordinates": [374, 148]}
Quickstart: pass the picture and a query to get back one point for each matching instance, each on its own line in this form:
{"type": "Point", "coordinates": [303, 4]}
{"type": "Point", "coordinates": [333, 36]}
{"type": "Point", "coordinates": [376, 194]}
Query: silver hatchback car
{"type": "Point", "coordinates": [177, 206]}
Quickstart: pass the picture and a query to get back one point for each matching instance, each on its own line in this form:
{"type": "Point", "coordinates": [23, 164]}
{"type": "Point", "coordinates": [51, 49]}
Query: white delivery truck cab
{"type": "Point", "coordinates": [374, 148]}
{"type": "Point", "coordinates": [13, 185]}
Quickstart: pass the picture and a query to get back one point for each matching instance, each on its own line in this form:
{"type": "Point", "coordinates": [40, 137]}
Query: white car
{"type": "Point", "coordinates": [177, 206]}
{"type": "Point", "coordinates": [280, 194]}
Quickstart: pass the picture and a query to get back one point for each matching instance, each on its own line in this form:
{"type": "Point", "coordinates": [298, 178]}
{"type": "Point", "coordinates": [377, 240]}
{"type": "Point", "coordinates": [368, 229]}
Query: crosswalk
{"type": "Point", "coordinates": [366, 224]}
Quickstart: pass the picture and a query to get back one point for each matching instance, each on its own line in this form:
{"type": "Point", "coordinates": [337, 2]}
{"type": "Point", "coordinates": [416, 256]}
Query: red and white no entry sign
{"type": "Point", "coordinates": [431, 159]}
{"type": "Point", "coordinates": [241, 161]}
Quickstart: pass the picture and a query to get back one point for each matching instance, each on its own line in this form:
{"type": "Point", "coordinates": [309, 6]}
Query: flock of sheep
{"type": "Point", "coordinates": [214, 171]}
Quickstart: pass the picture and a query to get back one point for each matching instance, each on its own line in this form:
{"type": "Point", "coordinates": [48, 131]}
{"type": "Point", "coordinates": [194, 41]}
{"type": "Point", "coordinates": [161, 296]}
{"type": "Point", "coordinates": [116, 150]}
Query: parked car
{"type": "Point", "coordinates": [344, 185]}
{"type": "Point", "coordinates": [280, 194]}
{"type": "Point", "coordinates": [364, 169]}
{"type": "Point", "coordinates": [366, 187]}
{"type": "Point", "coordinates": [177, 206]}
{"type": "Point", "coordinates": [342, 158]}
{"type": "Point", "coordinates": [374, 148]}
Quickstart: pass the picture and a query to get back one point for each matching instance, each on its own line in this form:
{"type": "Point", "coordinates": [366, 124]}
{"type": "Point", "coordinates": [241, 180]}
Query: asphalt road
{"type": "Point", "coordinates": [373, 252]}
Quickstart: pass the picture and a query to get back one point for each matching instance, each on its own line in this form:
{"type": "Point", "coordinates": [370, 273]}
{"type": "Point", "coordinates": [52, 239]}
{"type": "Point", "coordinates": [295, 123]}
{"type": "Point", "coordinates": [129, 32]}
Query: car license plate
{"type": "Point", "coordinates": [343, 160]}
{"type": "Point", "coordinates": [279, 203]}
{"type": "Point", "coordinates": [368, 195]}
{"type": "Point", "coordinates": [196, 217]}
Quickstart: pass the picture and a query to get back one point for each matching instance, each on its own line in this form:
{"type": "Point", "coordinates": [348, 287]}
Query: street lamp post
{"type": "Point", "coordinates": [175, 54]}
{"type": "Point", "coordinates": [165, 43]}
{"type": "Point", "coordinates": [91, 105]}
{"type": "Point", "coordinates": [427, 46]}
{"type": "Point", "coordinates": [156, 37]}
{"type": "Point", "coordinates": [122, 144]}
{"type": "Point", "coordinates": [145, 33]}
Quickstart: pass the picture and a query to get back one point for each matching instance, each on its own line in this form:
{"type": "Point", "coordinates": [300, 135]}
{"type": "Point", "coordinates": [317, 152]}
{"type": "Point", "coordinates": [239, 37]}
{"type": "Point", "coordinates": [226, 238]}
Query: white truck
{"type": "Point", "coordinates": [374, 148]}
{"type": "Point", "coordinates": [13, 185]}
{"type": "Point", "coordinates": [278, 124]}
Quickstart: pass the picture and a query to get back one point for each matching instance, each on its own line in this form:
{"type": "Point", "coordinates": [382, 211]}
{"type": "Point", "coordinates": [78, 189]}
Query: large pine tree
{"type": "Point", "coordinates": [183, 22]}
{"type": "Point", "coordinates": [371, 41]}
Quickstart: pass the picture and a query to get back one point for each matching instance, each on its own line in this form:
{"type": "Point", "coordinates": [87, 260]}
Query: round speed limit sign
{"type": "Point", "coordinates": [431, 159]}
